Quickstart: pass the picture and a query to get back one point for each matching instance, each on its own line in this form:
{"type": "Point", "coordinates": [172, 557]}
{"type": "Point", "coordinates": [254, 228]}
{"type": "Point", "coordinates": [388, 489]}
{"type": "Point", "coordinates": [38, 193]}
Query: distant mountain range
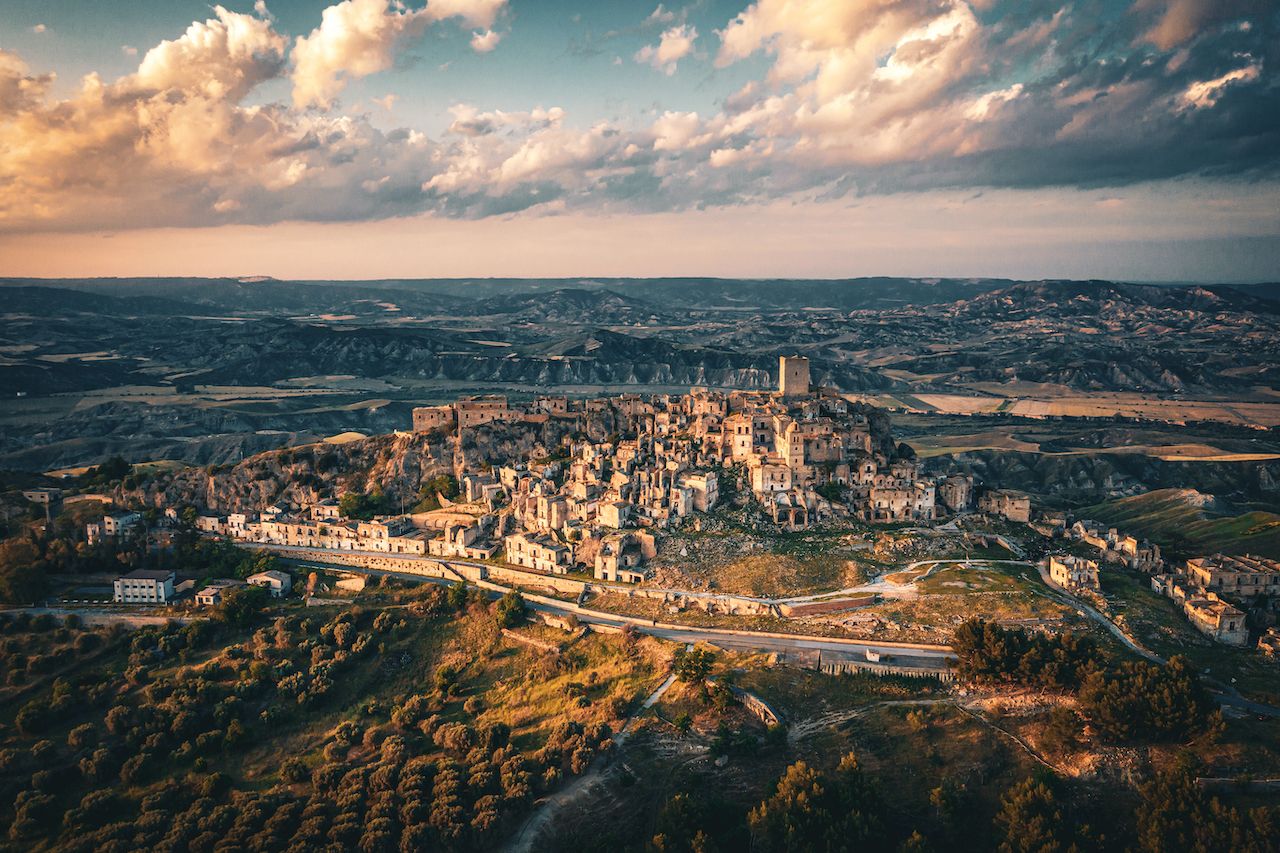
{"type": "Point", "coordinates": [416, 339]}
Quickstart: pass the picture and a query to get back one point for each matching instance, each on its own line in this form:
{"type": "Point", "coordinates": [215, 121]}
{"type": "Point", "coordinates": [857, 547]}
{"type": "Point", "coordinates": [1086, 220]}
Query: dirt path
{"type": "Point", "coordinates": [812, 726]}
{"type": "Point", "coordinates": [547, 808]}
{"type": "Point", "coordinates": [888, 589]}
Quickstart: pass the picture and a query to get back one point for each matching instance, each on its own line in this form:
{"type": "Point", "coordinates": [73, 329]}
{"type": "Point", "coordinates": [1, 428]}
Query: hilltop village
{"type": "Point", "coordinates": [597, 508]}
{"type": "Point", "coordinates": [806, 456]}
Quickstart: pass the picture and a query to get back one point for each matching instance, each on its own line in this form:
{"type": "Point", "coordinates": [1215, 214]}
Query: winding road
{"type": "Point", "coordinates": [922, 657]}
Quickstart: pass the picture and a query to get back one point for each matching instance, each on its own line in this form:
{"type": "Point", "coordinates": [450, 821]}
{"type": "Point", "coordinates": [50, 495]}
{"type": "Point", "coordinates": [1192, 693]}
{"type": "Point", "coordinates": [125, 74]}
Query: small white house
{"type": "Point", "coordinates": [211, 595]}
{"type": "Point", "coordinates": [279, 583]}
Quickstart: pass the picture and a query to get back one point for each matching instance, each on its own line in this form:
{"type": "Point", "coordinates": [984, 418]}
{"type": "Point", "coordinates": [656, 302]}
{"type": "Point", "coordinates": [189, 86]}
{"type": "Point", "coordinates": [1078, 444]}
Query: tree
{"type": "Point", "coordinates": [1062, 731]}
{"type": "Point", "coordinates": [1142, 701]}
{"type": "Point", "coordinates": [682, 826]}
{"type": "Point", "coordinates": [988, 653]}
{"type": "Point", "coordinates": [364, 507]}
{"type": "Point", "coordinates": [241, 605]}
{"type": "Point", "coordinates": [693, 665]}
{"type": "Point", "coordinates": [811, 811]}
{"type": "Point", "coordinates": [1176, 815]}
{"type": "Point", "coordinates": [1030, 819]}
{"type": "Point", "coordinates": [22, 579]}
{"type": "Point", "coordinates": [511, 610]}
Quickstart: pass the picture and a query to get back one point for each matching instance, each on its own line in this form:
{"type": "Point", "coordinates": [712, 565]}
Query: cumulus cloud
{"type": "Point", "coordinates": [357, 38]}
{"type": "Point", "coordinates": [863, 96]}
{"type": "Point", "coordinates": [40, 28]}
{"type": "Point", "coordinates": [660, 15]}
{"type": "Point", "coordinates": [469, 121]}
{"type": "Point", "coordinates": [674, 45]}
{"type": "Point", "coordinates": [483, 42]}
{"type": "Point", "coordinates": [223, 57]}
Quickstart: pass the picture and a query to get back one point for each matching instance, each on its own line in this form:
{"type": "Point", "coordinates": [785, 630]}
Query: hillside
{"type": "Point", "coordinates": [1192, 523]}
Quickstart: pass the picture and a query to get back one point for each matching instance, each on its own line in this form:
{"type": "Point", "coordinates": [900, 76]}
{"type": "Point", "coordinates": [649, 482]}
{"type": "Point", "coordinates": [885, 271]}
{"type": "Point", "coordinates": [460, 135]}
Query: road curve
{"type": "Point", "coordinates": [906, 655]}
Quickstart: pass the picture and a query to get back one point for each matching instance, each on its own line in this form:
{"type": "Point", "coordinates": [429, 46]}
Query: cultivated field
{"type": "Point", "coordinates": [1103, 405]}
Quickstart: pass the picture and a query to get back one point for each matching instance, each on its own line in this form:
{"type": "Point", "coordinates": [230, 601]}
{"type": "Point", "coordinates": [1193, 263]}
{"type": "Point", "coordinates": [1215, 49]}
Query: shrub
{"type": "Point", "coordinates": [510, 610]}
{"type": "Point", "coordinates": [82, 736]}
{"type": "Point", "coordinates": [293, 769]}
{"type": "Point", "coordinates": [456, 737]}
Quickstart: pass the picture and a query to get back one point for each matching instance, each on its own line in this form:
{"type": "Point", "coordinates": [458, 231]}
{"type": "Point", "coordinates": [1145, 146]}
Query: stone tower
{"type": "Point", "coordinates": [793, 376]}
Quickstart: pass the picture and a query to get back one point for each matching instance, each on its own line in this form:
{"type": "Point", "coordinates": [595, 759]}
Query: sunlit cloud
{"type": "Point", "coordinates": [674, 45]}
{"type": "Point", "coordinates": [855, 98]}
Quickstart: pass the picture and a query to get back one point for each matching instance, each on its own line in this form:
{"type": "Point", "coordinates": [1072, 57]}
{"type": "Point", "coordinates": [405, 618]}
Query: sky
{"type": "Point", "coordinates": [1128, 139]}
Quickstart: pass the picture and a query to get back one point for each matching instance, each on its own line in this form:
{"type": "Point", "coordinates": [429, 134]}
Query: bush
{"type": "Point", "coordinates": [82, 736]}
{"type": "Point", "coordinates": [510, 610]}
{"type": "Point", "coordinates": [456, 737]}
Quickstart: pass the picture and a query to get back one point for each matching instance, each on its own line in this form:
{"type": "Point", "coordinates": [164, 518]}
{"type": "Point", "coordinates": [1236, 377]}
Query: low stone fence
{"type": "Point", "coordinates": [520, 577]}
{"type": "Point", "coordinates": [756, 706]}
{"type": "Point", "coordinates": [827, 606]}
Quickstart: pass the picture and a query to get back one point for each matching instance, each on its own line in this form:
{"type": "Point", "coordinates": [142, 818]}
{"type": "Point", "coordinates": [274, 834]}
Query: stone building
{"type": "Point", "coordinates": [1010, 505]}
{"type": "Point", "coordinates": [1217, 619]}
{"type": "Point", "coordinates": [540, 553]}
{"type": "Point", "coordinates": [427, 418]}
{"type": "Point", "coordinates": [1074, 573]}
{"type": "Point", "coordinates": [793, 376]}
{"type": "Point", "coordinates": [1242, 576]}
{"type": "Point", "coordinates": [956, 493]}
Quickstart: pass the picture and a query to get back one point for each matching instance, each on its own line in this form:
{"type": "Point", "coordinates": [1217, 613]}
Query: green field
{"type": "Point", "coordinates": [1172, 516]}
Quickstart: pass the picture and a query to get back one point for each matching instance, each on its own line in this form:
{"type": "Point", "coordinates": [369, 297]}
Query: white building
{"type": "Point", "coordinates": [144, 586]}
{"type": "Point", "coordinates": [279, 583]}
{"type": "Point", "coordinates": [212, 594]}
{"type": "Point", "coordinates": [112, 526]}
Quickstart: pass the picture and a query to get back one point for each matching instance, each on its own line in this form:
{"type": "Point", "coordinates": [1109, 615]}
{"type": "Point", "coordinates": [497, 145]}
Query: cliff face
{"type": "Point", "coordinates": [397, 463]}
{"type": "Point", "coordinates": [304, 475]}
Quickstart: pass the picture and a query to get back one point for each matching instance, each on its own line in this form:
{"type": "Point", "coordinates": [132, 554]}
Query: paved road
{"type": "Point", "coordinates": [1058, 594]}
{"type": "Point", "coordinates": [929, 659]}
{"type": "Point", "coordinates": [92, 616]}
{"type": "Point", "coordinates": [887, 589]}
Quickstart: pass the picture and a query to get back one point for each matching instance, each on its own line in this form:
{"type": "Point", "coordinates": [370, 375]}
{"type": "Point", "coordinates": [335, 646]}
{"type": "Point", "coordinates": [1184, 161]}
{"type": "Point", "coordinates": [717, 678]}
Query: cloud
{"type": "Point", "coordinates": [660, 15]}
{"type": "Point", "coordinates": [1206, 92]}
{"type": "Point", "coordinates": [1177, 21]}
{"type": "Point", "coordinates": [19, 89]}
{"type": "Point", "coordinates": [224, 57]}
{"type": "Point", "coordinates": [675, 44]}
{"type": "Point", "coordinates": [854, 98]}
{"type": "Point", "coordinates": [357, 38]}
{"type": "Point", "coordinates": [469, 121]}
{"type": "Point", "coordinates": [40, 28]}
{"type": "Point", "coordinates": [483, 42]}
{"type": "Point", "coordinates": [128, 51]}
